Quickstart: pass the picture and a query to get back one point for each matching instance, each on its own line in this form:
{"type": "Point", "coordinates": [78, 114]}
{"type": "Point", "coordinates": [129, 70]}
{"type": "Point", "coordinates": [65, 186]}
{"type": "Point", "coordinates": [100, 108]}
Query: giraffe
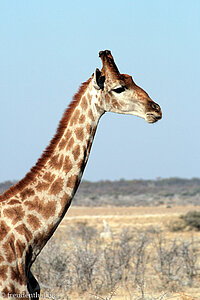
{"type": "Point", "coordinates": [32, 209]}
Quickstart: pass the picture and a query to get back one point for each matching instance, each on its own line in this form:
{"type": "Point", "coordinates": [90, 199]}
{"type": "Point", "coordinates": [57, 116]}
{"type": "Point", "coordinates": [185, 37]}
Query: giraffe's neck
{"type": "Point", "coordinates": [46, 192]}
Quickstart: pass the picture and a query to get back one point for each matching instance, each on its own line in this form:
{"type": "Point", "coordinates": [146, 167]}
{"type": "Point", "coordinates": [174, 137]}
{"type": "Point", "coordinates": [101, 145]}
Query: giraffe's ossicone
{"type": "Point", "coordinates": [31, 210]}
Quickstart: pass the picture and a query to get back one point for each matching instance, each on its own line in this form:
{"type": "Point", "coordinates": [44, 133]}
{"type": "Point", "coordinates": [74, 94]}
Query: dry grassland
{"type": "Point", "coordinates": [135, 217]}
{"type": "Point", "coordinates": [140, 218]}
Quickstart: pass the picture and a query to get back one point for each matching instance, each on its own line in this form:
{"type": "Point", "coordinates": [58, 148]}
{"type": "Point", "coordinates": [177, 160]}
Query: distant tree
{"type": "Point", "coordinates": [5, 185]}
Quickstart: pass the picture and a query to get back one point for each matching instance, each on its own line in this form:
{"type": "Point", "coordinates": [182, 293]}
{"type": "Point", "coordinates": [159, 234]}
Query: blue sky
{"type": "Point", "coordinates": [49, 47]}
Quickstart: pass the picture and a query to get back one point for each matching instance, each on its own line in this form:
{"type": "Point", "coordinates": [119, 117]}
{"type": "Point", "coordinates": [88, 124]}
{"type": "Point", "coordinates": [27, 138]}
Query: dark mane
{"type": "Point", "coordinates": [50, 148]}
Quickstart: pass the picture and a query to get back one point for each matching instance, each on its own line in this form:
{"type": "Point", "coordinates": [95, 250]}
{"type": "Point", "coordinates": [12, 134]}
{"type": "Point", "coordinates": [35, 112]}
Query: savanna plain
{"type": "Point", "coordinates": [122, 253]}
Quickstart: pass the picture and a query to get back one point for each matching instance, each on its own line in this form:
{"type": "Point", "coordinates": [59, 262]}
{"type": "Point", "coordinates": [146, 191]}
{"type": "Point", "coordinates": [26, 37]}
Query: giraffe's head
{"type": "Point", "coordinates": [120, 94]}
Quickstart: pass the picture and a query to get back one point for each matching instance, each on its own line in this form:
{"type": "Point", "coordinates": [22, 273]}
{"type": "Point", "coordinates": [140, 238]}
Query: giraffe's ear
{"type": "Point", "coordinates": [98, 80]}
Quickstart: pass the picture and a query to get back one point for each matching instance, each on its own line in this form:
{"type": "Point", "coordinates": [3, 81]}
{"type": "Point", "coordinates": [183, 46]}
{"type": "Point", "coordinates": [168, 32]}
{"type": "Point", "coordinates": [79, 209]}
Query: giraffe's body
{"type": "Point", "coordinates": [32, 209]}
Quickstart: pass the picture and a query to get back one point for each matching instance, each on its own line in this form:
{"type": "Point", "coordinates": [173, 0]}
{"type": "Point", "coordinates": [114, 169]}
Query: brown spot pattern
{"type": "Point", "coordinates": [89, 128]}
{"type": "Point", "coordinates": [26, 193]}
{"type": "Point", "coordinates": [68, 134]}
{"type": "Point", "coordinates": [89, 97]}
{"type": "Point", "coordinates": [39, 205]}
{"type": "Point", "coordinates": [65, 202]}
{"type": "Point", "coordinates": [79, 133]}
{"type": "Point", "coordinates": [76, 152]}
{"type": "Point", "coordinates": [62, 144]}
{"type": "Point", "coordinates": [49, 209]}
{"type": "Point", "coordinates": [49, 177]}
{"type": "Point", "coordinates": [84, 103]}
{"type": "Point", "coordinates": [40, 239]}
{"type": "Point", "coordinates": [4, 229]}
{"type": "Point", "coordinates": [67, 164]}
{"type": "Point", "coordinates": [14, 201]}
{"type": "Point", "coordinates": [56, 161]}
{"type": "Point", "coordinates": [56, 186]}
{"type": "Point", "coordinates": [80, 164]}
{"type": "Point", "coordinates": [76, 114]}
{"type": "Point", "coordinates": [3, 272]}
{"type": "Point", "coordinates": [75, 117]}
{"type": "Point", "coordinates": [33, 204]}
{"type": "Point", "coordinates": [71, 181]}
{"type": "Point", "coordinates": [70, 143]}
{"type": "Point", "coordinates": [12, 290]}
{"type": "Point", "coordinates": [20, 247]}
{"type": "Point", "coordinates": [9, 248]}
{"type": "Point", "coordinates": [82, 119]}
{"type": "Point", "coordinates": [107, 98]}
{"type": "Point", "coordinates": [90, 115]}
{"type": "Point", "coordinates": [15, 213]}
{"type": "Point", "coordinates": [17, 276]}
{"type": "Point", "coordinates": [42, 186]}
{"type": "Point", "coordinates": [23, 230]}
{"type": "Point", "coordinates": [33, 221]}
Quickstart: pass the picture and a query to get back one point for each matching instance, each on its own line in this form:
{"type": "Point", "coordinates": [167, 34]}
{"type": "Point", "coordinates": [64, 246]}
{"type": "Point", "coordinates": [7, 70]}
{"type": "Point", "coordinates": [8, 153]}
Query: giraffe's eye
{"type": "Point", "coordinates": [119, 89]}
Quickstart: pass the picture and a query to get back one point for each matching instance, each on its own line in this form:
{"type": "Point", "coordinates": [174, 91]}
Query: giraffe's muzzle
{"type": "Point", "coordinates": [154, 113]}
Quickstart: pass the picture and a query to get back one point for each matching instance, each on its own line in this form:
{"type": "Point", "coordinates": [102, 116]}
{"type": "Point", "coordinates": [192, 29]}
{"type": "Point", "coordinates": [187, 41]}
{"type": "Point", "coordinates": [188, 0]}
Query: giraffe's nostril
{"type": "Point", "coordinates": [155, 107]}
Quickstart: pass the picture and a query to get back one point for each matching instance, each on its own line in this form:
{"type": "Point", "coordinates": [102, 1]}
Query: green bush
{"type": "Point", "coordinates": [192, 219]}
{"type": "Point", "coordinates": [177, 225]}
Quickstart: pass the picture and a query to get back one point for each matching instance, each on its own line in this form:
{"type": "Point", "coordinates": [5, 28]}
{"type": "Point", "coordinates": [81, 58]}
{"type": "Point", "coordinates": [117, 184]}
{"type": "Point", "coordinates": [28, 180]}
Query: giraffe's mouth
{"type": "Point", "coordinates": [152, 117]}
